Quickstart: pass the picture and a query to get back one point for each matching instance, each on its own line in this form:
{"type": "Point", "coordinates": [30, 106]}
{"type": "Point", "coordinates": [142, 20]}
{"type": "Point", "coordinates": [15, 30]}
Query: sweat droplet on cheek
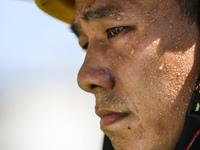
{"type": "Point", "coordinates": [161, 66]}
{"type": "Point", "coordinates": [132, 51]}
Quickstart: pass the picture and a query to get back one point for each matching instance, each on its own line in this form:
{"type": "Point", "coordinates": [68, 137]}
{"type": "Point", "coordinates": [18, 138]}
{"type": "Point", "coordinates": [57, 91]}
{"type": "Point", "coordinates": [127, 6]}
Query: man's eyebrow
{"type": "Point", "coordinates": [103, 12]}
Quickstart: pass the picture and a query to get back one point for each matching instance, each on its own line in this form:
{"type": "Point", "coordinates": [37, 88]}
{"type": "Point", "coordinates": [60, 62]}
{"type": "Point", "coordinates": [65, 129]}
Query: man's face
{"type": "Point", "coordinates": [140, 66]}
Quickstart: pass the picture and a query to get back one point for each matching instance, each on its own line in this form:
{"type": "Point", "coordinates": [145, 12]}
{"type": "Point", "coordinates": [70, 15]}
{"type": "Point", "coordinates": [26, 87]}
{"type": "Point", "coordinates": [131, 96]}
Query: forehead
{"type": "Point", "coordinates": [83, 6]}
{"type": "Point", "coordinates": [87, 4]}
{"type": "Point", "coordinates": [94, 7]}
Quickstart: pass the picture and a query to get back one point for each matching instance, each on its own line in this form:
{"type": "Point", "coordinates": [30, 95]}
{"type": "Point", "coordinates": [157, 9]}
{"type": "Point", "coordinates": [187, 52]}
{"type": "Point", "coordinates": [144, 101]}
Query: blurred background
{"type": "Point", "coordinates": [41, 105]}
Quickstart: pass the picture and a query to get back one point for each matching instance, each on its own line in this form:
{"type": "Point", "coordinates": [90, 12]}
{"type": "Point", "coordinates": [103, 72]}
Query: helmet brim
{"type": "Point", "coordinates": [60, 9]}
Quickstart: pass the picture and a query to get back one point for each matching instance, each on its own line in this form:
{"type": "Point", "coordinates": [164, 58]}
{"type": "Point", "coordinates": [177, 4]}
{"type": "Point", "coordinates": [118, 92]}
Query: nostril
{"type": "Point", "coordinates": [93, 86]}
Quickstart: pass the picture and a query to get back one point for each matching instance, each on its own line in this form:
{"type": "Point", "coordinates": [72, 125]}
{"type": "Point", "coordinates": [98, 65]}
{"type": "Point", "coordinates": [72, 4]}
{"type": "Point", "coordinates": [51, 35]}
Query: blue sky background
{"type": "Point", "coordinates": [41, 105]}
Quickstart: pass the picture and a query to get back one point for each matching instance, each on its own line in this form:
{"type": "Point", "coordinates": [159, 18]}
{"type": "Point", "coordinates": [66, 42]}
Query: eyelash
{"type": "Point", "coordinates": [112, 32]}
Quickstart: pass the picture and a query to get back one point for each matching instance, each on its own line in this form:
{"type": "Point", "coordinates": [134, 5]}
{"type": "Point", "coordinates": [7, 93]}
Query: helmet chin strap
{"type": "Point", "coordinates": [107, 145]}
{"type": "Point", "coordinates": [194, 106]}
{"type": "Point", "coordinates": [190, 138]}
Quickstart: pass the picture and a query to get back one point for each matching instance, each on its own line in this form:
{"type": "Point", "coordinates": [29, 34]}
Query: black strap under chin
{"type": "Point", "coordinates": [107, 144]}
{"type": "Point", "coordinates": [190, 138]}
{"type": "Point", "coordinates": [188, 141]}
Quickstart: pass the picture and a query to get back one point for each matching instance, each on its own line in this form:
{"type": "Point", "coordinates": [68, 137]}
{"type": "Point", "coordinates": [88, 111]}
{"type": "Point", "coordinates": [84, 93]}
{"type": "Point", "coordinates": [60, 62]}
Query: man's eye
{"type": "Point", "coordinates": [114, 31]}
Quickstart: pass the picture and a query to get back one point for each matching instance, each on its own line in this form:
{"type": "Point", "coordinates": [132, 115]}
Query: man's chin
{"type": "Point", "coordinates": [125, 139]}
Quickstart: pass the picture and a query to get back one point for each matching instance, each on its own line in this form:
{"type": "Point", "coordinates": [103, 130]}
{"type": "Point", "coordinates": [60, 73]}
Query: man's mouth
{"type": "Point", "coordinates": [112, 118]}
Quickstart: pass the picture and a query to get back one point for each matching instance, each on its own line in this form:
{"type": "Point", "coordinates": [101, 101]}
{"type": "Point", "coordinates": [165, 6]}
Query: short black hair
{"type": "Point", "coordinates": [190, 9]}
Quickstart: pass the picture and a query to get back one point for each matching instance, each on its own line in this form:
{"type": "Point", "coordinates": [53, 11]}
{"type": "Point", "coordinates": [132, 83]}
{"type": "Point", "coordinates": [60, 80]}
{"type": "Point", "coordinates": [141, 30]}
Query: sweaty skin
{"type": "Point", "coordinates": [141, 65]}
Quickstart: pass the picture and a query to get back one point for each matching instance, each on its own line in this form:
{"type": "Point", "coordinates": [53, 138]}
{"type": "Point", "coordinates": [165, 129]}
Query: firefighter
{"type": "Point", "coordinates": [142, 65]}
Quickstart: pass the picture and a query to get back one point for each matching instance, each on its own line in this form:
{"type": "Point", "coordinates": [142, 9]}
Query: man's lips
{"type": "Point", "coordinates": [112, 118]}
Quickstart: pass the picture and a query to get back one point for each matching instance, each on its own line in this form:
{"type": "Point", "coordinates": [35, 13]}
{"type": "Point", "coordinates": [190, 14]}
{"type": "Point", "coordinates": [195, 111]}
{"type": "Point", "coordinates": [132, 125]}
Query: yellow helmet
{"type": "Point", "coordinates": [60, 9]}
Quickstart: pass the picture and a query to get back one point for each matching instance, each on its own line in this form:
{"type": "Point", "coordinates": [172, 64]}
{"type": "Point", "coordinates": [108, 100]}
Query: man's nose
{"type": "Point", "coordinates": [95, 73]}
{"type": "Point", "coordinates": [90, 78]}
